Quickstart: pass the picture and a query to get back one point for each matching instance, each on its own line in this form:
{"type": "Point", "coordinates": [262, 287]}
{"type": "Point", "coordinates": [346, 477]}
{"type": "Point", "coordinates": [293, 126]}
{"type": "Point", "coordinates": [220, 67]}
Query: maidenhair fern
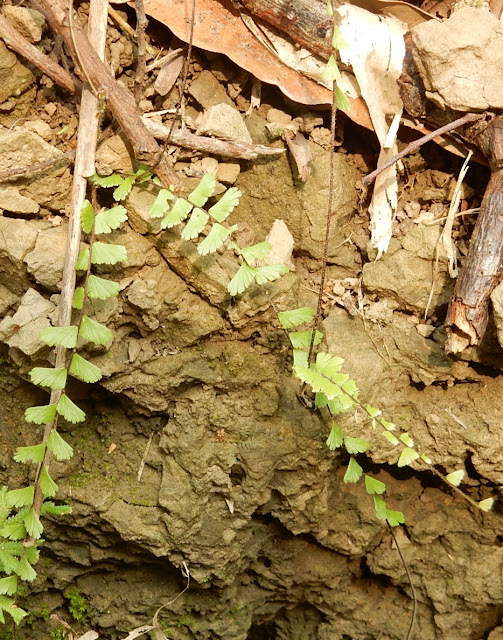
{"type": "Point", "coordinates": [20, 509]}
{"type": "Point", "coordinates": [336, 392]}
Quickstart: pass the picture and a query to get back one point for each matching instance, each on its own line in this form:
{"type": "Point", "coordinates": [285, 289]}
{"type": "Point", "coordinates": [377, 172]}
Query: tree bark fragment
{"type": "Point", "coordinates": [468, 312]}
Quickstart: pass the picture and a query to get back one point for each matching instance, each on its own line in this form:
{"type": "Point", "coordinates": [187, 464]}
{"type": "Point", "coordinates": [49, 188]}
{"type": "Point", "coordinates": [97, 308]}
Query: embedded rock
{"type": "Point", "coordinates": [22, 329]}
{"type": "Point", "coordinates": [15, 78]}
{"type": "Point", "coordinates": [407, 274]}
{"type": "Point", "coordinates": [51, 242]}
{"type": "Point", "coordinates": [269, 192]}
{"type": "Point", "coordinates": [460, 60]}
{"type": "Point", "coordinates": [225, 122]}
{"type": "Point", "coordinates": [17, 239]}
{"type": "Point", "coordinates": [29, 22]}
{"type": "Point", "coordinates": [48, 188]}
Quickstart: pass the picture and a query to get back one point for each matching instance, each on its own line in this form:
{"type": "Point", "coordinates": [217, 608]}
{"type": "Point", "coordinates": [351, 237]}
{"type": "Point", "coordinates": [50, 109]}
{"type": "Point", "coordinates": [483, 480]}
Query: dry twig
{"type": "Point", "coordinates": [15, 41]}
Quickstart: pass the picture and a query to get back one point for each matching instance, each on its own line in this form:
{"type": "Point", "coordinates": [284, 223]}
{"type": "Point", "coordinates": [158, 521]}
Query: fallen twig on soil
{"type": "Point", "coordinates": [38, 166]}
{"type": "Point", "coordinates": [15, 41]}
{"type": "Point", "coordinates": [119, 100]}
{"type": "Point", "coordinates": [469, 117]}
{"type": "Point", "coordinates": [209, 145]}
{"type": "Point", "coordinates": [141, 50]}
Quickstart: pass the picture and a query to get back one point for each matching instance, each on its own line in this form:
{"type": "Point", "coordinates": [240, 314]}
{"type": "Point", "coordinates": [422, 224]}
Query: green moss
{"type": "Point", "coordinates": [78, 606]}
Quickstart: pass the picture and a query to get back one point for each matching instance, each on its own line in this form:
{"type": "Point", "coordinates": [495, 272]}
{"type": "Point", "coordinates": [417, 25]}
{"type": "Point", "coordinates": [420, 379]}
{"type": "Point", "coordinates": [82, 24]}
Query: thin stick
{"type": "Point", "coordinates": [208, 145]}
{"type": "Point", "coordinates": [141, 64]}
{"type": "Point", "coordinates": [84, 166]}
{"type": "Point", "coordinates": [409, 576]}
{"type": "Point", "coordinates": [317, 316]}
{"type": "Point", "coordinates": [15, 41]}
{"type": "Point", "coordinates": [38, 166]}
{"type": "Point", "coordinates": [469, 117]}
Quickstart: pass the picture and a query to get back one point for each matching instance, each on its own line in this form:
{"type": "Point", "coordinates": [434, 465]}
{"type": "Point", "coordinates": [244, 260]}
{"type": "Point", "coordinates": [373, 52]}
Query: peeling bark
{"type": "Point", "coordinates": [468, 312]}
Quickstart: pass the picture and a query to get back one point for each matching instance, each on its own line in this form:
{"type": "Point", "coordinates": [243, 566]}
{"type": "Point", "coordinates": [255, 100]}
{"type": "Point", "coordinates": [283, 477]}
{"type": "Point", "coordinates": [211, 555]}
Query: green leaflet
{"type": "Point", "coordinates": [302, 339]}
{"type": "Point", "coordinates": [103, 253]}
{"type": "Point", "coordinates": [256, 251]}
{"type": "Point", "coordinates": [8, 585]}
{"type": "Point", "coordinates": [78, 298]}
{"type": "Point", "coordinates": [26, 571]}
{"type": "Point", "coordinates": [14, 530]}
{"type": "Point", "coordinates": [203, 191]}
{"type": "Point", "coordinates": [49, 507]}
{"type": "Point", "coordinates": [8, 562]}
{"type": "Point", "coordinates": [355, 445]}
{"type": "Point", "coordinates": [195, 225]}
{"type": "Point", "coordinates": [225, 205]}
{"type": "Point", "coordinates": [331, 71]}
{"type": "Point", "coordinates": [486, 505]}
{"type": "Point", "coordinates": [406, 439]}
{"type": "Point", "coordinates": [330, 366]}
{"type": "Point", "coordinates": [178, 213]}
{"type": "Point", "coordinates": [300, 358]}
{"type": "Point", "coordinates": [34, 453]}
{"type": "Point", "coordinates": [242, 280]}
{"type": "Point", "coordinates": [84, 370]}
{"type": "Point", "coordinates": [160, 206]}
{"type": "Point", "coordinates": [48, 377]}
{"type": "Point", "coordinates": [394, 518]}
{"type": "Point", "coordinates": [387, 425]}
{"type": "Point", "coordinates": [110, 219]}
{"type": "Point", "coordinates": [21, 497]}
{"type": "Point", "coordinates": [335, 439]}
{"type": "Point", "coordinates": [101, 288]}
{"type": "Point", "coordinates": [47, 484]}
{"type": "Point", "coordinates": [270, 273]}
{"type": "Point", "coordinates": [380, 507]}
{"type": "Point", "coordinates": [43, 414]}
{"type": "Point", "coordinates": [353, 472]}
{"type": "Point", "coordinates": [373, 412]}
{"type": "Point", "coordinates": [82, 260]}
{"type": "Point", "coordinates": [15, 612]}
{"type": "Point", "coordinates": [317, 382]}
{"type": "Point", "coordinates": [94, 331]}
{"type": "Point", "coordinates": [59, 336]}
{"type": "Point", "coordinates": [338, 40]}
{"type": "Point", "coordinates": [60, 449]}
{"type": "Point", "coordinates": [124, 188]}
{"type": "Point", "coordinates": [374, 486]}
{"type": "Point", "coordinates": [69, 410]}
{"type": "Point", "coordinates": [87, 217]}
{"type": "Point", "coordinates": [390, 438]}
{"type": "Point", "coordinates": [216, 237]}
{"type": "Point", "coordinates": [295, 317]}
{"type": "Point", "coordinates": [106, 181]}
{"type": "Point", "coordinates": [342, 101]}
{"type": "Point", "coordinates": [407, 456]}
{"type": "Point", "coordinates": [33, 525]}
{"type": "Point", "coordinates": [456, 477]}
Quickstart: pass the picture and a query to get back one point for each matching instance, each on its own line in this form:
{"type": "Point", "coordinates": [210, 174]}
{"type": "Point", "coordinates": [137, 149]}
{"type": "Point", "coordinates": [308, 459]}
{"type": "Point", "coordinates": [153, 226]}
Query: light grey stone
{"type": "Point", "coordinates": [49, 188]}
{"type": "Point", "coordinates": [225, 122]}
{"type": "Point", "coordinates": [29, 22]}
{"type": "Point", "coordinates": [461, 60]}
{"type": "Point", "coordinates": [22, 330]}
{"type": "Point", "coordinates": [47, 259]}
